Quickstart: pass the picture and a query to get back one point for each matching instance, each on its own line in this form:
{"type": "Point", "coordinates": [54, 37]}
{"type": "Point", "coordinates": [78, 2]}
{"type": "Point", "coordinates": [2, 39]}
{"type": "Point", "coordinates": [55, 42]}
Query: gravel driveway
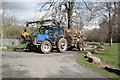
{"type": "Point", "coordinates": [38, 65]}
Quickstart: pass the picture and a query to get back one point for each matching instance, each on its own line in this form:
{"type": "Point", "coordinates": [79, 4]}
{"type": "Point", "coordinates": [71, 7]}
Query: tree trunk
{"type": "Point", "coordinates": [119, 22]}
{"type": "Point", "coordinates": [110, 44]}
{"type": "Point", "coordinates": [69, 14]}
{"type": "Point", "coordinates": [110, 25]}
{"type": "Point", "coordinates": [1, 25]}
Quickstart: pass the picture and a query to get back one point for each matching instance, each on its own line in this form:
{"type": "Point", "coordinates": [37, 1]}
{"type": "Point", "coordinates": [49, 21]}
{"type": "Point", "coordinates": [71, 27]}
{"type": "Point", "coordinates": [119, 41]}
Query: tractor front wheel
{"type": "Point", "coordinates": [46, 47]}
{"type": "Point", "coordinates": [62, 45]}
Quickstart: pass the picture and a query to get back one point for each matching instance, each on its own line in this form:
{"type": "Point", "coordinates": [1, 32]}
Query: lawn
{"type": "Point", "coordinates": [13, 47]}
{"type": "Point", "coordinates": [109, 55]}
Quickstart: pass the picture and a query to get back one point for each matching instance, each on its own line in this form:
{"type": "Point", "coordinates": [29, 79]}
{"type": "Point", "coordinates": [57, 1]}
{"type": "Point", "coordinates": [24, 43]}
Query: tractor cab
{"type": "Point", "coordinates": [50, 32]}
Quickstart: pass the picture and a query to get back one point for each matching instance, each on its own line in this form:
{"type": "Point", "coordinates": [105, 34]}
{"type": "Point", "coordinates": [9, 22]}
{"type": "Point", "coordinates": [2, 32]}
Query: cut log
{"type": "Point", "coordinates": [103, 65]}
{"type": "Point", "coordinates": [114, 70]}
{"type": "Point", "coordinates": [94, 52]}
{"type": "Point", "coordinates": [88, 54]}
{"type": "Point", "coordinates": [96, 60]}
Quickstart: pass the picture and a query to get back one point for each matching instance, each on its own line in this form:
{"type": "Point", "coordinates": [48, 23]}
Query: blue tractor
{"type": "Point", "coordinates": [48, 36]}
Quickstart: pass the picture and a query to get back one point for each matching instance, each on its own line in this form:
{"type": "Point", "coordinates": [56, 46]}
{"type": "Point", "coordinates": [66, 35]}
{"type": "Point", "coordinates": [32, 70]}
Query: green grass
{"type": "Point", "coordinates": [13, 47]}
{"type": "Point", "coordinates": [109, 55]}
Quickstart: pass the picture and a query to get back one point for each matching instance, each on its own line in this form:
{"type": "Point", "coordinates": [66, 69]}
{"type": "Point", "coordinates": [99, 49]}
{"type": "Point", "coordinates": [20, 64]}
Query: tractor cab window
{"type": "Point", "coordinates": [45, 30]}
{"type": "Point", "coordinates": [48, 31]}
{"type": "Point", "coordinates": [57, 32]}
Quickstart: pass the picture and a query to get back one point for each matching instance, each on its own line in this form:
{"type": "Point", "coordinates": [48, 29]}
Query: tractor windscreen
{"type": "Point", "coordinates": [45, 30]}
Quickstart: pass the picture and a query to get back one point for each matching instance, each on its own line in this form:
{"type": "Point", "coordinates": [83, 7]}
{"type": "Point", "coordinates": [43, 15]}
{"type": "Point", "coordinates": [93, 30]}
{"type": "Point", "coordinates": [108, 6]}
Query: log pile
{"type": "Point", "coordinates": [97, 49]}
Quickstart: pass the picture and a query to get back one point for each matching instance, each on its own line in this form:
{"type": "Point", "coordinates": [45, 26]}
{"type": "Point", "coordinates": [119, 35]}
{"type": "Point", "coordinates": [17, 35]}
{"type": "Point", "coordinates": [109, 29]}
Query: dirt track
{"type": "Point", "coordinates": [37, 65]}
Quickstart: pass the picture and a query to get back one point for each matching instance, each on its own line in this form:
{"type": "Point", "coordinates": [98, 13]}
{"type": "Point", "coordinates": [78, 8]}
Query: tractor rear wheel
{"type": "Point", "coordinates": [62, 45]}
{"type": "Point", "coordinates": [46, 47]}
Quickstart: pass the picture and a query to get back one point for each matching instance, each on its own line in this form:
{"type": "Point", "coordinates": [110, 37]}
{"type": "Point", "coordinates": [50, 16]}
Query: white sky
{"type": "Point", "coordinates": [27, 10]}
{"type": "Point", "coordinates": [49, 0]}
{"type": "Point", "coordinates": [23, 11]}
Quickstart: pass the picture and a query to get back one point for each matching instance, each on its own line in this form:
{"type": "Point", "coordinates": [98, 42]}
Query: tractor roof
{"type": "Point", "coordinates": [50, 26]}
{"type": "Point", "coordinates": [44, 22]}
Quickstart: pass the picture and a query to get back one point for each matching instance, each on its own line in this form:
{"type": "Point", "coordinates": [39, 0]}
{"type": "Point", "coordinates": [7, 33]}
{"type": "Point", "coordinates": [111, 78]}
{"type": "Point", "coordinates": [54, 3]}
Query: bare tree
{"type": "Point", "coordinates": [112, 8]}
{"type": "Point", "coordinates": [1, 28]}
{"type": "Point", "coordinates": [119, 22]}
{"type": "Point", "coordinates": [109, 14]}
{"type": "Point", "coordinates": [69, 6]}
{"type": "Point", "coordinates": [58, 12]}
{"type": "Point", "coordinates": [10, 28]}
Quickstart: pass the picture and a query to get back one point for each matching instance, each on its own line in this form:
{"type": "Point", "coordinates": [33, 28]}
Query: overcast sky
{"type": "Point", "coordinates": [25, 11]}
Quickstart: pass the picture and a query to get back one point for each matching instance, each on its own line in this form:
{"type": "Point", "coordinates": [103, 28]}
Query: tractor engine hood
{"type": "Point", "coordinates": [41, 37]}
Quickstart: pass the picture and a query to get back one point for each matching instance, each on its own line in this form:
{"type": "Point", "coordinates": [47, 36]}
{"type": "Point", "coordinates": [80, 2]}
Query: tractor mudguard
{"type": "Point", "coordinates": [58, 39]}
{"type": "Point", "coordinates": [49, 41]}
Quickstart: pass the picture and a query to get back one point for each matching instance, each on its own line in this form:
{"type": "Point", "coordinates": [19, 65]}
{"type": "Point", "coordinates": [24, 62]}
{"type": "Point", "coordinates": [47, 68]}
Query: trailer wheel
{"type": "Point", "coordinates": [62, 45]}
{"type": "Point", "coordinates": [81, 47]}
{"type": "Point", "coordinates": [46, 47]}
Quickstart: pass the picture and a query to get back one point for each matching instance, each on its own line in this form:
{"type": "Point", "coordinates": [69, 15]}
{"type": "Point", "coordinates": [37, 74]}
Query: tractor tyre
{"type": "Point", "coordinates": [62, 45]}
{"type": "Point", "coordinates": [46, 47]}
{"type": "Point", "coordinates": [30, 47]}
{"type": "Point", "coordinates": [79, 46]}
